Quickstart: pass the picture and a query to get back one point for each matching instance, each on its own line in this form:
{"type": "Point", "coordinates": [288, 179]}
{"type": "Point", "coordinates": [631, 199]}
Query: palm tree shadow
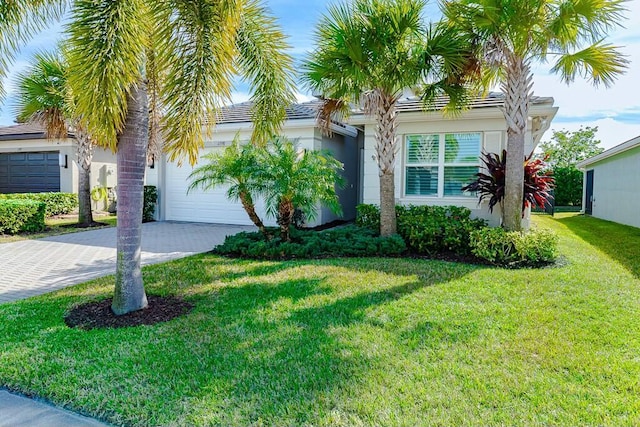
{"type": "Point", "coordinates": [620, 242]}
{"type": "Point", "coordinates": [283, 362]}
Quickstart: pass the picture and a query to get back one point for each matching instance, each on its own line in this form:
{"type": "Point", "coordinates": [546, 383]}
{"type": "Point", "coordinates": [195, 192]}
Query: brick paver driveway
{"type": "Point", "coordinates": [33, 267]}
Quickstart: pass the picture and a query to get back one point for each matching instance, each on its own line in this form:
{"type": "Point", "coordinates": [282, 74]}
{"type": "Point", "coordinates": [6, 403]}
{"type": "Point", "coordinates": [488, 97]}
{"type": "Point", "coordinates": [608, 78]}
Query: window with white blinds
{"type": "Point", "coordinates": [441, 164]}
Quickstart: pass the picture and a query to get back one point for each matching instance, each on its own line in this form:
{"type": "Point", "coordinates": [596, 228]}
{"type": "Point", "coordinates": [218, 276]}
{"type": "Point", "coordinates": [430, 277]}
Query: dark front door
{"type": "Point", "coordinates": [588, 203]}
{"type": "Point", "coordinates": [29, 172]}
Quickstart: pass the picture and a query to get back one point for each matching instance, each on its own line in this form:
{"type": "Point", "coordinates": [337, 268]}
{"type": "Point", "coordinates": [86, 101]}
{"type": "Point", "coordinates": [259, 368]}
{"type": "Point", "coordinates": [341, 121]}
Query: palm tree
{"type": "Point", "coordinates": [512, 35]}
{"type": "Point", "coordinates": [368, 52]}
{"type": "Point", "coordinates": [234, 167]}
{"type": "Point", "coordinates": [181, 54]}
{"type": "Point", "coordinates": [44, 97]}
{"type": "Point", "coordinates": [297, 179]}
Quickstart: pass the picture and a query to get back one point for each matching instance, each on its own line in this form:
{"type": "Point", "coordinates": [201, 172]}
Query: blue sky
{"type": "Point", "coordinates": [616, 111]}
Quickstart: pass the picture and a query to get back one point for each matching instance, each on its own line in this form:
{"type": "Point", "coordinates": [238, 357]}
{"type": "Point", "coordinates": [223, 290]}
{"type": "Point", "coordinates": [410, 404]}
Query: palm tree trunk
{"type": "Point", "coordinates": [249, 207]}
{"type": "Point", "coordinates": [386, 126]}
{"type": "Point", "coordinates": [84, 151]}
{"type": "Point", "coordinates": [285, 217]}
{"type": "Point", "coordinates": [132, 152]}
{"type": "Point", "coordinates": [517, 90]}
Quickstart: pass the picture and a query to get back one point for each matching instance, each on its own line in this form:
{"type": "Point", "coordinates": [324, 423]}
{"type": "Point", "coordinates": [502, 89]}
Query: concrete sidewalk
{"type": "Point", "coordinates": [34, 267]}
{"type": "Point", "coordinates": [18, 411]}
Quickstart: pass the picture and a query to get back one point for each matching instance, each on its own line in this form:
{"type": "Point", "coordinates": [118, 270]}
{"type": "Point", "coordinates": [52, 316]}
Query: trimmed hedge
{"type": "Point", "coordinates": [349, 241]}
{"type": "Point", "coordinates": [427, 229]}
{"type": "Point", "coordinates": [150, 200]}
{"type": "Point", "coordinates": [512, 248]}
{"type": "Point", "coordinates": [56, 203]}
{"type": "Point", "coordinates": [21, 215]}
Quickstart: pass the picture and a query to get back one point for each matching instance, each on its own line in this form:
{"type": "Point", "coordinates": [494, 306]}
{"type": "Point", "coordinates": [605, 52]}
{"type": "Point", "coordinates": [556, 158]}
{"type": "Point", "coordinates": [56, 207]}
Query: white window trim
{"type": "Point", "coordinates": [440, 165]}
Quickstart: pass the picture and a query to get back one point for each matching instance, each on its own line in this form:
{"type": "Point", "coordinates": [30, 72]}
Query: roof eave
{"type": "Point", "coordinates": [621, 148]}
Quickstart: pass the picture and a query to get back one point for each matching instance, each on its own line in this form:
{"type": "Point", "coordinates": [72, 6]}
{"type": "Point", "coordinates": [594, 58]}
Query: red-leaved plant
{"type": "Point", "coordinates": [490, 185]}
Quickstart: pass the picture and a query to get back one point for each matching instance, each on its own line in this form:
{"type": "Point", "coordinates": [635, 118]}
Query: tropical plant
{"type": "Point", "coordinates": [368, 52]}
{"type": "Point", "coordinates": [180, 55]}
{"type": "Point", "coordinates": [511, 35]}
{"type": "Point", "coordinates": [235, 167]}
{"type": "Point", "coordinates": [44, 97]}
{"type": "Point", "coordinates": [537, 182]}
{"type": "Point", "coordinates": [293, 178]}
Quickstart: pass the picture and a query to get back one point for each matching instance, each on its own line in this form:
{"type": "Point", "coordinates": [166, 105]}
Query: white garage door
{"type": "Point", "coordinates": [210, 206]}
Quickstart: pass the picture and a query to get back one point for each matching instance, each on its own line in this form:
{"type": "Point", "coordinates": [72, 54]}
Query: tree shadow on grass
{"type": "Point", "coordinates": [619, 242]}
{"type": "Point", "coordinates": [272, 347]}
{"type": "Point", "coordinates": [282, 367]}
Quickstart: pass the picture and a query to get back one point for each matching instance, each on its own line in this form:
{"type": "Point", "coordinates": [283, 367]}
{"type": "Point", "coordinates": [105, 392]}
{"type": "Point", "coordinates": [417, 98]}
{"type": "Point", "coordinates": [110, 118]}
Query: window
{"type": "Point", "coordinates": [441, 164]}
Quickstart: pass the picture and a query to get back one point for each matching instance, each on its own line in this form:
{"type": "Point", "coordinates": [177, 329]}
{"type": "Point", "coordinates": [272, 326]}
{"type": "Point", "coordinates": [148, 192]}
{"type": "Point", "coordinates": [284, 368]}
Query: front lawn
{"type": "Point", "coordinates": [353, 342]}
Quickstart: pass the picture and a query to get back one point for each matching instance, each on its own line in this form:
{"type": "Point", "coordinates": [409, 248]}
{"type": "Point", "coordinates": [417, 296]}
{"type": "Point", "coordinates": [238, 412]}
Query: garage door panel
{"type": "Point", "coordinates": [31, 172]}
{"type": "Point", "coordinates": [210, 206]}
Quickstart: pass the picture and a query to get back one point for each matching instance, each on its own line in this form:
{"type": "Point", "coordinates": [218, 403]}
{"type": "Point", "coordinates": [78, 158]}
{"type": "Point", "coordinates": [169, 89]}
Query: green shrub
{"type": "Point", "coordinates": [150, 200]}
{"type": "Point", "coordinates": [536, 246]}
{"type": "Point", "coordinates": [56, 203]}
{"type": "Point", "coordinates": [514, 248]}
{"type": "Point", "coordinates": [368, 216]}
{"type": "Point", "coordinates": [350, 241]}
{"type": "Point", "coordinates": [21, 215]}
{"type": "Point", "coordinates": [493, 245]}
{"type": "Point", "coordinates": [427, 229]}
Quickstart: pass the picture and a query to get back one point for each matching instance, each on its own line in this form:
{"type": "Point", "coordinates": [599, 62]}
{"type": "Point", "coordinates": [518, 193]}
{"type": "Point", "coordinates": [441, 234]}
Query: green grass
{"type": "Point", "coordinates": [57, 226]}
{"type": "Point", "coordinates": [354, 342]}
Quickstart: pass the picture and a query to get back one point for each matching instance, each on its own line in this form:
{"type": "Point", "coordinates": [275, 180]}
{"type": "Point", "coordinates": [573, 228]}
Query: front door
{"type": "Point", "coordinates": [588, 207]}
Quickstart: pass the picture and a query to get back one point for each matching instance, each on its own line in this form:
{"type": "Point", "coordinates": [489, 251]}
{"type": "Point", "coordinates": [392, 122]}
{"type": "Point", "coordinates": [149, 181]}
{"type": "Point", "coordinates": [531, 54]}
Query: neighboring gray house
{"type": "Point", "coordinates": [437, 156]}
{"type": "Point", "coordinates": [31, 163]}
{"type": "Point", "coordinates": [611, 188]}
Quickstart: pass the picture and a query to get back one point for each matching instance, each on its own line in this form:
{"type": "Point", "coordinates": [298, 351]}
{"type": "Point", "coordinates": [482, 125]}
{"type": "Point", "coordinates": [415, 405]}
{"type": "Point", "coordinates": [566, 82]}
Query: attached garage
{"type": "Point", "coordinates": [30, 172]}
{"type": "Point", "coordinates": [213, 206]}
{"type": "Point", "coordinates": [210, 206]}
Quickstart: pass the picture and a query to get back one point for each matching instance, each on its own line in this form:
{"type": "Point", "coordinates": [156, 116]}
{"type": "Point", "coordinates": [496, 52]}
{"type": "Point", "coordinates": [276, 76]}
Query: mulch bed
{"type": "Point", "coordinates": [98, 314]}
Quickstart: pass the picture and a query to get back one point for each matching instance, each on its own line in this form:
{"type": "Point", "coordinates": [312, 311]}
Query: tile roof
{"type": "Point", "coordinates": [241, 113]}
{"type": "Point", "coordinates": [23, 130]}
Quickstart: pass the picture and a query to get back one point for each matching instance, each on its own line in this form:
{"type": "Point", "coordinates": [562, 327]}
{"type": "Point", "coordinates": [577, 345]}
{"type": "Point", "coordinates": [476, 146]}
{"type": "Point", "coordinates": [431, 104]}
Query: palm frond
{"type": "Point", "coordinates": [107, 41]}
{"type": "Point", "coordinates": [599, 63]}
{"type": "Point", "coordinates": [42, 94]}
{"type": "Point", "coordinates": [198, 50]}
{"type": "Point", "coordinates": [20, 20]}
{"type": "Point", "coordinates": [262, 61]}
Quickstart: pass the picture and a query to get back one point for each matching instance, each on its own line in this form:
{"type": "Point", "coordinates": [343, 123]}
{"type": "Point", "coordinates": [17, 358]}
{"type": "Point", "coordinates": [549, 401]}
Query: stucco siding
{"type": "Point", "coordinates": [493, 136]}
{"type": "Point", "coordinates": [615, 188]}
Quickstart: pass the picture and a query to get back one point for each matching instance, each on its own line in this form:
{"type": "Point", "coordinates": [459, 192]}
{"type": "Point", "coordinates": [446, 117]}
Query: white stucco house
{"type": "Point", "coordinates": [31, 163]}
{"type": "Point", "coordinates": [611, 182]}
{"type": "Point", "coordinates": [437, 155]}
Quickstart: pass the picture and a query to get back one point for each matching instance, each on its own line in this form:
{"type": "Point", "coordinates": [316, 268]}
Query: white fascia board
{"type": "Point", "coordinates": [346, 130]}
{"type": "Point", "coordinates": [473, 114]}
{"type": "Point", "coordinates": [628, 145]}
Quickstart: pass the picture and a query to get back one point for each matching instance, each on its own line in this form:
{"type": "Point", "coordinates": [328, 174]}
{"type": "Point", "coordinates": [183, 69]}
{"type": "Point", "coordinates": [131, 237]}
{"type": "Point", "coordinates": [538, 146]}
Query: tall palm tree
{"type": "Point", "coordinates": [368, 52]}
{"type": "Point", "coordinates": [512, 35]}
{"type": "Point", "coordinates": [44, 97]}
{"type": "Point", "coordinates": [187, 54]}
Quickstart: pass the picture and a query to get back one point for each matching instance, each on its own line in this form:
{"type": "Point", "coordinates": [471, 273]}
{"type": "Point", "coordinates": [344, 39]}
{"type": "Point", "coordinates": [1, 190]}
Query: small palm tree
{"type": "Point", "coordinates": [44, 97]}
{"type": "Point", "coordinates": [183, 55]}
{"type": "Point", "coordinates": [297, 179]}
{"type": "Point", "coordinates": [511, 35]}
{"type": "Point", "coordinates": [368, 52]}
{"type": "Point", "coordinates": [234, 167]}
